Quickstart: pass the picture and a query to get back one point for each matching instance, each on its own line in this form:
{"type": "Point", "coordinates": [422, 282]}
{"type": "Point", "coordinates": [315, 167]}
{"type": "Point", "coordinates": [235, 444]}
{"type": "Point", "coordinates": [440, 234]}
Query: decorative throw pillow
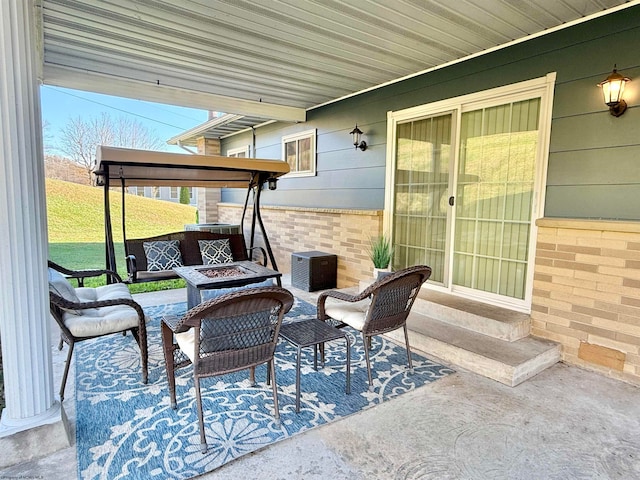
{"type": "Point", "coordinates": [215, 251]}
{"type": "Point", "coordinates": [162, 255]}
{"type": "Point", "coordinates": [59, 285]}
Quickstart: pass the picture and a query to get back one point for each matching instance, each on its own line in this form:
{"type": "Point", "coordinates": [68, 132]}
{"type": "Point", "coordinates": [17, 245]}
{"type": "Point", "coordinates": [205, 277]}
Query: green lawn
{"type": "Point", "coordinates": [75, 216]}
{"type": "Point", "coordinates": [79, 256]}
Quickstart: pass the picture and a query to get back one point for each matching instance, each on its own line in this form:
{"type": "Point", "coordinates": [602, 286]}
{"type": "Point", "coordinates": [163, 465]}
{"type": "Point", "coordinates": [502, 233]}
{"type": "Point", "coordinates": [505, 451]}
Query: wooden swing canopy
{"type": "Point", "coordinates": [124, 167]}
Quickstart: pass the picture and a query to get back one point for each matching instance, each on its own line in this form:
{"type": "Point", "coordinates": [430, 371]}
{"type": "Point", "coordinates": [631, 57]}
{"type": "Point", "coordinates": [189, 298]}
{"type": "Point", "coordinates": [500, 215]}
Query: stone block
{"type": "Point", "coordinates": [607, 357]}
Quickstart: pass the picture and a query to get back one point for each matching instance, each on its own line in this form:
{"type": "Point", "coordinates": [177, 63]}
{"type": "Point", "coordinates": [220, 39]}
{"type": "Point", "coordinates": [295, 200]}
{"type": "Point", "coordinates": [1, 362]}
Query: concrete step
{"type": "Point", "coordinates": [496, 322]}
{"type": "Point", "coordinates": [491, 341]}
{"type": "Point", "coordinates": [507, 362]}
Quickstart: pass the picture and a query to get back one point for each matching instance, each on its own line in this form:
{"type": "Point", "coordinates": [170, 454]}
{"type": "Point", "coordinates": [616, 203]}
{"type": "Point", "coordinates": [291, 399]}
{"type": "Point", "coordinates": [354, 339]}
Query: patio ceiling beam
{"type": "Point", "coordinates": [125, 87]}
{"type": "Point", "coordinates": [279, 83]}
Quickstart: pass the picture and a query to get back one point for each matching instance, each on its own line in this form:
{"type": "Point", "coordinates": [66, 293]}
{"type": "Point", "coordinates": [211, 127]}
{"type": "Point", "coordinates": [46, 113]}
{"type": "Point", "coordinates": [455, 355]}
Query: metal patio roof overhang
{"type": "Point", "coordinates": [219, 127]}
{"type": "Point", "coordinates": [275, 60]}
{"type": "Point", "coordinates": [131, 167]}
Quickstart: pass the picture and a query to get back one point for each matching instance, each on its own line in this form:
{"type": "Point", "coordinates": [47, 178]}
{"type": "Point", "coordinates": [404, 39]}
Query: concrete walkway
{"type": "Point", "coordinates": [565, 423]}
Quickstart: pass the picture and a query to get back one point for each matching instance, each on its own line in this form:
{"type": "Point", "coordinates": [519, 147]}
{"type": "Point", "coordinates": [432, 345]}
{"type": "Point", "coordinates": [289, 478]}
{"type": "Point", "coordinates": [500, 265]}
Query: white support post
{"type": "Point", "coordinates": [32, 423]}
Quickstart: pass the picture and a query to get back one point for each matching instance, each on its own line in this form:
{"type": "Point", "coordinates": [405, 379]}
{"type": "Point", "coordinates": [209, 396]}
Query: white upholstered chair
{"type": "Point", "coordinates": [382, 307]}
{"type": "Point", "coordinates": [85, 312]}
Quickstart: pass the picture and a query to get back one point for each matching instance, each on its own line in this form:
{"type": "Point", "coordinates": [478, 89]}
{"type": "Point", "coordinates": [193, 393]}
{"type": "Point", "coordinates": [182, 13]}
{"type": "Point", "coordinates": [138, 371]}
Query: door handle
{"type": "Point", "coordinates": [451, 200]}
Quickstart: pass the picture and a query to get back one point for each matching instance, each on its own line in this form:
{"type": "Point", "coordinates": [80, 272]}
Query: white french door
{"type": "Point", "coordinates": [465, 187]}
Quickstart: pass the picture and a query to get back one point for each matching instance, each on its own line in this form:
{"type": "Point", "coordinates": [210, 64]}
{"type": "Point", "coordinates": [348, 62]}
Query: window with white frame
{"type": "Point", "coordinates": [139, 191]}
{"type": "Point", "coordinates": [241, 152]}
{"type": "Point", "coordinates": [174, 193]}
{"type": "Point", "coordinates": [299, 151]}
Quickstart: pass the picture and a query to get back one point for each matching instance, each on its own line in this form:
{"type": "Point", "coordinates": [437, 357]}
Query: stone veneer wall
{"type": "Point", "coordinates": [587, 293]}
{"type": "Point", "coordinates": [345, 233]}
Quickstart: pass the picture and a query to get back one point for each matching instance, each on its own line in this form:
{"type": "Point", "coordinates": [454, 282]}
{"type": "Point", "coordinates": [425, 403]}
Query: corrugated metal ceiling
{"type": "Point", "coordinates": [273, 59]}
{"type": "Point", "coordinates": [217, 127]}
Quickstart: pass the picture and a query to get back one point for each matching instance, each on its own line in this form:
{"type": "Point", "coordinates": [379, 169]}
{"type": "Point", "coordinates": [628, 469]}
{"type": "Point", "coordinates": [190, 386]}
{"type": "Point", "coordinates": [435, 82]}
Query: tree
{"type": "Point", "coordinates": [184, 195]}
{"type": "Point", "coordinates": [47, 138]}
{"type": "Point", "coordinates": [64, 169]}
{"type": "Point", "coordinates": [80, 137]}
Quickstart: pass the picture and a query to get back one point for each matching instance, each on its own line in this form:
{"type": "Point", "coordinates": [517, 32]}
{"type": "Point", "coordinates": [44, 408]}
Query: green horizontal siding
{"type": "Point", "coordinates": [594, 158]}
{"type": "Point", "coordinates": [611, 202]}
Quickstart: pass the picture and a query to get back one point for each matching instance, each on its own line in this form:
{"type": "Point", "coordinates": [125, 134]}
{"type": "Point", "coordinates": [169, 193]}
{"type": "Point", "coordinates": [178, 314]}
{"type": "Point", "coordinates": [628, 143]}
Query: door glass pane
{"type": "Point", "coordinates": [423, 150]}
{"type": "Point", "coordinates": [494, 194]}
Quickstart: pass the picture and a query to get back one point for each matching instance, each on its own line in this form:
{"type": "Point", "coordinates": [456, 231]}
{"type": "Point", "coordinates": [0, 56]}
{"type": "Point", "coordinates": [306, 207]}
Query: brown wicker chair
{"type": "Point", "coordinates": [233, 332]}
{"type": "Point", "coordinates": [382, 307]}
{"type": "Point", "coordinates": [83, 313]}
{"type": "Point", "coordinates": [80, 275]}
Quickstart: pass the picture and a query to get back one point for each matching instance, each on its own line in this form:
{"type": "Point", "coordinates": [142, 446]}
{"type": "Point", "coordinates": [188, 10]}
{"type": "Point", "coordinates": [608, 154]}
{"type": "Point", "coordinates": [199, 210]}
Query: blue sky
{"type": "Point", "coordinates": [61, 104]}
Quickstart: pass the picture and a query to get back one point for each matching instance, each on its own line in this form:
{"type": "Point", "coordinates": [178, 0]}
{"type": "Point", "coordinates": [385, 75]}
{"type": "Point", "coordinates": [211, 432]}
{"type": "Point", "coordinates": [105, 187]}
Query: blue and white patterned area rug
{"type": "Point", "coordinates": [126, 429]}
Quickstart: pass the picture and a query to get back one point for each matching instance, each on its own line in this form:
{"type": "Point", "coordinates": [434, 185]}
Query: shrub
{"type": "Point", "coordinates": [381, 251]}
{"type": "Point", "coordinates": [184, 196]}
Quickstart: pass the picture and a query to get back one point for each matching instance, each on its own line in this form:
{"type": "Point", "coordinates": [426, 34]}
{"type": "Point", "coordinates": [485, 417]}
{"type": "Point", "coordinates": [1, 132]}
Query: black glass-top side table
{"type": "Point", "coordinates": [312, 333]}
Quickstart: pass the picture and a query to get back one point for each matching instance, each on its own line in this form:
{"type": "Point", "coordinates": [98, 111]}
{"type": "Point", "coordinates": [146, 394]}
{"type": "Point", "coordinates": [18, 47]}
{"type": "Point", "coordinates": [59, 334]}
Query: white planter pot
{"type": "Point", "coordinates": [377, 271]}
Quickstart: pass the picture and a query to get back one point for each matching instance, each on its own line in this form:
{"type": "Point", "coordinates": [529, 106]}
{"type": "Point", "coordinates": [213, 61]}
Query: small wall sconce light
{"type": "Point", "coordinates": [356, 133]}
{"type": "Point", "coordinates": [273, 183]}
{"type": "Point", "coordinates": [612, 89]}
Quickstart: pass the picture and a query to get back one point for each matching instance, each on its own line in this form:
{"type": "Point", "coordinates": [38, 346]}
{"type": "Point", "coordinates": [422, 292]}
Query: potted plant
{"type": "Point", "coordinates": [381, 253]}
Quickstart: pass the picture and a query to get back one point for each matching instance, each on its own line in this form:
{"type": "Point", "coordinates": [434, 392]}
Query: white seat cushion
{"type": "Point", "coordinates": [100, 321]}
{"type": "Point", "coordinates": [186, 341]}
{"type": "Point", "coordinates": [105, 292]}
{"type": "Point", "coordinates": [231, 341]}
{"type": "Point", "coordinates": [351, 313]}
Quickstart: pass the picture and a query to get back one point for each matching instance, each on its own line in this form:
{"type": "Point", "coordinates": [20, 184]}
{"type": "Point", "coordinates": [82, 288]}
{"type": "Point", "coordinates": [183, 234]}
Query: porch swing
{"type": "Point", "coordinates": [124, 167]}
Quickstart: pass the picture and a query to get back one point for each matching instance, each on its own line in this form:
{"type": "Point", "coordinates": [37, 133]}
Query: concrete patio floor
{"type": "Point", "coordinates": [565, 423]}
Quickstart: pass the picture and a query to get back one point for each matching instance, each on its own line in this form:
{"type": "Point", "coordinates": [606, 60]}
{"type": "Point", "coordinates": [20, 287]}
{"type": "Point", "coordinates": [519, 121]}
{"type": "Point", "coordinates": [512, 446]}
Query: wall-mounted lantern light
{"type": "Point", "coordinates": [356, 133]}
{"type": "Point", "coordinates": [272, 182]}
{"type": "Point", "coordinates": [612, 89]}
